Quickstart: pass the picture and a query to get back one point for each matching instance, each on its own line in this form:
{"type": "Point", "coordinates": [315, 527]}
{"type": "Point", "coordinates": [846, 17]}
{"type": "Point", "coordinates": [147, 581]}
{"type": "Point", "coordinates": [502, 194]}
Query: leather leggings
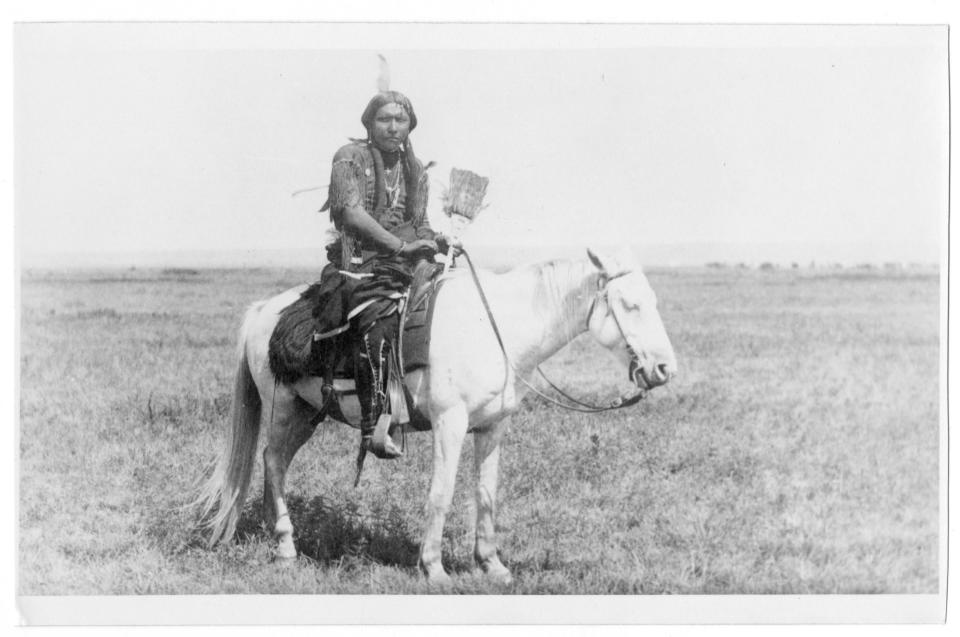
{"type": "Point", "coordinates": [371, 362]}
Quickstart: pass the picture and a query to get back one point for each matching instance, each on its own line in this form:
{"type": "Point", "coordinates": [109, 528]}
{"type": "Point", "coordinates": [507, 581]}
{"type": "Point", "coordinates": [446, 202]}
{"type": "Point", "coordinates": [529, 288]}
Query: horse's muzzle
{"type": "Point", "coordinates": [643, 379]}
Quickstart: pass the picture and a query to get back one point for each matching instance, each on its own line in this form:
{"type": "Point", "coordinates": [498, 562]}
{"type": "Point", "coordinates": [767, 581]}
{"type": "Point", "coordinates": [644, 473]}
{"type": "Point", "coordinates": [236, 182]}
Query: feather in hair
{"type": "Point", "coordinates": [383, 79]}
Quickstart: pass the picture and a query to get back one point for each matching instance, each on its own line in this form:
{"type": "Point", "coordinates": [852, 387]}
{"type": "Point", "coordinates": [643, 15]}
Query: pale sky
{"type": "Point", "coordinates": [195, 136]}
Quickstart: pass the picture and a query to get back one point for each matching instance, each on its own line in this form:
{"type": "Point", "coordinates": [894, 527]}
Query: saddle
{"type": "Point", "coordinates": [301, 345]}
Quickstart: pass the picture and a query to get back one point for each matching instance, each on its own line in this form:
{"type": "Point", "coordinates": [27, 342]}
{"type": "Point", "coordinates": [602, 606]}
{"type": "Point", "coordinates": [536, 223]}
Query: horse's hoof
{"type": "Point", "coordinates": [440, 581]}
{"type": "Point", "coordinates": [286, 552]}
{"type": "Point", "coordinates": [500, 576]}
{"type": "Point", "coordinates": [496, 572]}
{"type": "Point", "coordinates": [438, 578]}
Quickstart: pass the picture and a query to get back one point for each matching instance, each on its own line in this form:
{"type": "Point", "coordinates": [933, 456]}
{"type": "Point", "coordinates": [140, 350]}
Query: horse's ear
{"type": "Point", "coordinates": [596, 260]}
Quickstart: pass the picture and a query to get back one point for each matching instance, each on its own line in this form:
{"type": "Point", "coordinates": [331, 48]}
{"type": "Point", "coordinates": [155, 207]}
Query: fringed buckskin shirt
{"type": "Point", "coordinates": [352, 182]}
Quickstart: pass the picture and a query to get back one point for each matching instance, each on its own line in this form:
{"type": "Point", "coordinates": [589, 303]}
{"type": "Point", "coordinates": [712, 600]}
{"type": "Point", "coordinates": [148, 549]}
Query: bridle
{"type": "Point", "coordinates": [619, 403]}
{"type": "Point", "coordinates": [636, 369]}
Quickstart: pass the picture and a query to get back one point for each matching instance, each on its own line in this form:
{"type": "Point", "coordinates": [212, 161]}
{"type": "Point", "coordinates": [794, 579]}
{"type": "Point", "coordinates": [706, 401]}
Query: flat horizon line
{"type": "Point", "coordinates": [690, 253]}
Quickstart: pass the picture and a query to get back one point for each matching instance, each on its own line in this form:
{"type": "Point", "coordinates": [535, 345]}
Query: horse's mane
{"type": "Point", "coordinates": [563, 289]}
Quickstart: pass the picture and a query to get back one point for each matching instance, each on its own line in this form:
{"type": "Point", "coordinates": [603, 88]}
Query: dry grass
{"type": "Point", "coordinates": [796, 453]}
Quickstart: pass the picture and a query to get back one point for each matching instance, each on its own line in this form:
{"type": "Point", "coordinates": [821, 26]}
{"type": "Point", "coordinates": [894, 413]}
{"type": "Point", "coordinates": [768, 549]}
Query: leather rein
{"type": "Point", "coordinates": [579, 405]}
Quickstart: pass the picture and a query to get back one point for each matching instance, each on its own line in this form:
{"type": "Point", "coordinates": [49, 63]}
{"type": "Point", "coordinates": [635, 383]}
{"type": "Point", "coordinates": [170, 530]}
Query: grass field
{"type": "Point", "coordinates": [797, 452]}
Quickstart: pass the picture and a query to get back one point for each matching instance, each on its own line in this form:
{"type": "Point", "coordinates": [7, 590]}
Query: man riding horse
{"type": "Point", "coordinates": [378, 204]}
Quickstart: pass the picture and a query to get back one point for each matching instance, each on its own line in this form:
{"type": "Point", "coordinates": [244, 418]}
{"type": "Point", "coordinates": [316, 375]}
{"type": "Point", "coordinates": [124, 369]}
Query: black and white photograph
{"type": "Point", "coordinates": [385, 314]}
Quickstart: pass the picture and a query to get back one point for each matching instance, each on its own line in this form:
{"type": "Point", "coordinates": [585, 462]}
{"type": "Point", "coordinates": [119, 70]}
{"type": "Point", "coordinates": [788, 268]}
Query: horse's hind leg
{"type": "Point", "coordinates": [486, 464]}
{"type": "Point", "coordinates": [289, 425]}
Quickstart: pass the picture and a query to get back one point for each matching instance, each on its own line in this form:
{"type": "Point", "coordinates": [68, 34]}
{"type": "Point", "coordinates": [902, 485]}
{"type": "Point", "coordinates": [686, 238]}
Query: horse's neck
{"type": "Point", "coordinates": [560, 294]}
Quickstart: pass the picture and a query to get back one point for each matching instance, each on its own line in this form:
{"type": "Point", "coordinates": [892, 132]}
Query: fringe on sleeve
{"type": "Point", "coordinates": [345, 189]}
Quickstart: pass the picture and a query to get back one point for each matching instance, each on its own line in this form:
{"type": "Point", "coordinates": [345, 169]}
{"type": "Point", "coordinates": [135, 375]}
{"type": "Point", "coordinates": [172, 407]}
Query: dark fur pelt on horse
{"type": "Point", "coordinates": [320, 309]}
{"type": "Point", "coordinates": [317, 321]}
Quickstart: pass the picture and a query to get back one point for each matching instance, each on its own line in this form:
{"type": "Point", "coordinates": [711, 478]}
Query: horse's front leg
{"type": "Point", "coordinates": [449, 430]}
{"type": "Point", "coordinates": [486, 464]}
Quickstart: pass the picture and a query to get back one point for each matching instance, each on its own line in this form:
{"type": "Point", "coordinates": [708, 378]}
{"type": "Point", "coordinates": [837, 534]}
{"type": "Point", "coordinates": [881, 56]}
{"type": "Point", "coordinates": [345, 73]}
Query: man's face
{"type": "Point", "coordinates": [391, 125]}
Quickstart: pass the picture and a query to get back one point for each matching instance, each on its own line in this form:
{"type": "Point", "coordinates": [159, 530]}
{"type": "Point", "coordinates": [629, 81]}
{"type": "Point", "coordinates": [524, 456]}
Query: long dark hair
{"type": "Point", "coordinates": [411, 167]}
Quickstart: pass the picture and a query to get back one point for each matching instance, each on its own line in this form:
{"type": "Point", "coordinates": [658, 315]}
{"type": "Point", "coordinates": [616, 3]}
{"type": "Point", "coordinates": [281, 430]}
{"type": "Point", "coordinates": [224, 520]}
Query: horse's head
{"type": "Point", "coordinates": [625, 320]}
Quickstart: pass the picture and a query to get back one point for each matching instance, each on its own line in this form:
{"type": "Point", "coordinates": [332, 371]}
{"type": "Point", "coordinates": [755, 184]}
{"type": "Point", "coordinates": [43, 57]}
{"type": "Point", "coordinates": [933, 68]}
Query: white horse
{"type": "Point", "coordinates": [469, 386]}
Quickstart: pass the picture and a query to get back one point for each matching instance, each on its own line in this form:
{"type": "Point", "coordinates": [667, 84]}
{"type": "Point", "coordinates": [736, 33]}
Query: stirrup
{"type": "Point", "coordinates": [381, 443]}
{"type": "Point", "coordinates": [386, 450]}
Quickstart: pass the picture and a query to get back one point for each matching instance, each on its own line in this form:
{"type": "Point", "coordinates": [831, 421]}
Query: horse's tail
{"type": "Point", "coordinates": [222, 497]}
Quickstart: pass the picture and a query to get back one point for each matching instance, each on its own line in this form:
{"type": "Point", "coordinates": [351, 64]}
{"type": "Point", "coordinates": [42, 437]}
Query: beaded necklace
{"type": "Point", "coordinates": [393, 190]}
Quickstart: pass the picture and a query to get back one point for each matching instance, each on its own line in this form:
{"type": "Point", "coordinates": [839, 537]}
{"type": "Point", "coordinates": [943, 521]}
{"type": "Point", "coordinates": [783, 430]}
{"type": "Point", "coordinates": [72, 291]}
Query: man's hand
{"type": "Point", "coordinates": [419, 249]}
{"type": "Point", "coordinates": [449, 245]}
